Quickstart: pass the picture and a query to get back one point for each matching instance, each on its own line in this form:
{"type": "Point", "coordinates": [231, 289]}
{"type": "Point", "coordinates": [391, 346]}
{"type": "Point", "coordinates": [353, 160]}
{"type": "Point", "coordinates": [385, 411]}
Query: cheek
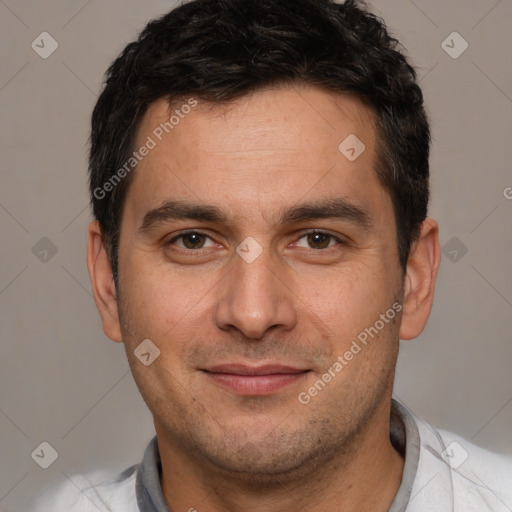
{"type": "Point", "coordinates": [347, 300]}
{"type": "Point", "coordinates": [163, 304]}
{"type": "Point", "coordinates": [349, 311]}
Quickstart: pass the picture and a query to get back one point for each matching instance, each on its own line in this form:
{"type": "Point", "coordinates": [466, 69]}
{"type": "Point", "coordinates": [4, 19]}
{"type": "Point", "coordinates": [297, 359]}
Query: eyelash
{"type": "Point", "coordinates": [198, 251]}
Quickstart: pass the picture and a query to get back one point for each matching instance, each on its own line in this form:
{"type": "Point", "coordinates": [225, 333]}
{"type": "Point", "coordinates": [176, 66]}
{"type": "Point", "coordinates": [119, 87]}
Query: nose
{"type": "Point", "coordinates": [255, 297]}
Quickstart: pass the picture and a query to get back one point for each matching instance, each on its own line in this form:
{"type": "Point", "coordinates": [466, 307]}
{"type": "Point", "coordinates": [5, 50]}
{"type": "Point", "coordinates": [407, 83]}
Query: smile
{"type": "Point", "coordinates": [255, 381]}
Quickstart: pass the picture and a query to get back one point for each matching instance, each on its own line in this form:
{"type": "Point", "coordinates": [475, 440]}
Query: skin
{"type": "Point", "coordinates": [301, 303]}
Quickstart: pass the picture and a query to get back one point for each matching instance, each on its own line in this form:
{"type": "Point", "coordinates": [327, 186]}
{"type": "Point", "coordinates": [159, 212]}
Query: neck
{"type": "Point", "coordinates": [364, 476]}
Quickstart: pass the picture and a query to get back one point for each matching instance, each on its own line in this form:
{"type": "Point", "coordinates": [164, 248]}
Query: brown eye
{"type": "Point", "coordinates": [319, 240]}
{"type": "Point", "coordinates": [191, 240]}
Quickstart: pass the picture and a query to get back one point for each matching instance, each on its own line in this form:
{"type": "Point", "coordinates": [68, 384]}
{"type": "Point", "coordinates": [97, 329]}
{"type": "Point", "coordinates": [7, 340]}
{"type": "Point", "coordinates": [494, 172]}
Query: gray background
{"type": "Point", "coordinates": [62, 381]}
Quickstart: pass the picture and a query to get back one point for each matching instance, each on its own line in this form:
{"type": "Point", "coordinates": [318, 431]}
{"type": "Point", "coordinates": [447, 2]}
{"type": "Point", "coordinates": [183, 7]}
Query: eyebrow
{"type": "Point", "coordinates": [338, 208]}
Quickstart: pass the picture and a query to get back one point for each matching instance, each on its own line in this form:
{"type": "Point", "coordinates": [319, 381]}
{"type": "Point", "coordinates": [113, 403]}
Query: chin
{"type": "Point", "coordinates": [271, 461]}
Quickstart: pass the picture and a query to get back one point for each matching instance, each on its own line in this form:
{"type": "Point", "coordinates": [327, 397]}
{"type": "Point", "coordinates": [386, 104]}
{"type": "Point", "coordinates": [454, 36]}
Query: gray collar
{"type": "Point", "coordinates": [147, 483]}
{"type": "Point", "coordinates": [404, 436]}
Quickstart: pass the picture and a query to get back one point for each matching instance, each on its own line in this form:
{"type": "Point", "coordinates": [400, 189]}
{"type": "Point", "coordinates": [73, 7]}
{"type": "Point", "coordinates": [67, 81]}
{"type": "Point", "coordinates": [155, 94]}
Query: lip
{"type": "Point", "coordinates": [255, 380]}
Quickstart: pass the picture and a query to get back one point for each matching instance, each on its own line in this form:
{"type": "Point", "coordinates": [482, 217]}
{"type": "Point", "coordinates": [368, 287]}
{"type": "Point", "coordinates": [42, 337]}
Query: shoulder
{"type": "Point", "coordinates": [485, 473]}
{"type": "Point", "coordinates": [92, 492]}
{"type": "Point", "coordinates": [473, 477]}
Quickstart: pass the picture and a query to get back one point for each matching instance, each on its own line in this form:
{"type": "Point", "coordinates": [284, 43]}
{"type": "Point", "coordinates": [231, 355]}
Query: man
{"type": "Point", "coordinates": [259, 179]}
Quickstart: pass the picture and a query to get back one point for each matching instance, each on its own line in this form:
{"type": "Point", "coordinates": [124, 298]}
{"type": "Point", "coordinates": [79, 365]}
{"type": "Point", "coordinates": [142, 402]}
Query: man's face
{"type": "Point", "coordinates": [217, 314]}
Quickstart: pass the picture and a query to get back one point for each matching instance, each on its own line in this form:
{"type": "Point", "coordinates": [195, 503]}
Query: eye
{"type": "Point", "coordinates": [318, 240]}
{"type": "Point", "coordinates": [192, 240]}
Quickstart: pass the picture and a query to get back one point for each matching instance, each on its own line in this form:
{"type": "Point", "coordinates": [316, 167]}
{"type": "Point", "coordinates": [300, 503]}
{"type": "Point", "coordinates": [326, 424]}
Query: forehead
{"type": "Point", "coordinates": [290, 112]}
{"type": "Point", "coordinates": [270, 146]}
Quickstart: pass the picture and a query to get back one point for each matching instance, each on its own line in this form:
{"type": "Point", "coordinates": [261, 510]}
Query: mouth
{"type": "Point", "coordinates": [255, 380]}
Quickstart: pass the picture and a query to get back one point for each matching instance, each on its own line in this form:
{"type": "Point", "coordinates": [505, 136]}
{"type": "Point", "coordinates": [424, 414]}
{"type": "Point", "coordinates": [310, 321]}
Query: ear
{"type": "Point", "coordinates": [420, 280]}
{"type": "Point", "coordinates": [102, 280]}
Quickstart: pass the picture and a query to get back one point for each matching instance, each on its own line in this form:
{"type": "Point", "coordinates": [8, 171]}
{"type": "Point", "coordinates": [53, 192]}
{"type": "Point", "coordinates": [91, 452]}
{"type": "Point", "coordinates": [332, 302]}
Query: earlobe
{"type": "Point", "coordinates": [420, 279]}
{"type": "Point", "coordinates": [103, 287]}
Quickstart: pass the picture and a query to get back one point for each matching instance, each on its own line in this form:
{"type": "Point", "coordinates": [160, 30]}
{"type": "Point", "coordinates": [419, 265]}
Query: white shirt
{"type": "Point", "coordinates": [442, 473]}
